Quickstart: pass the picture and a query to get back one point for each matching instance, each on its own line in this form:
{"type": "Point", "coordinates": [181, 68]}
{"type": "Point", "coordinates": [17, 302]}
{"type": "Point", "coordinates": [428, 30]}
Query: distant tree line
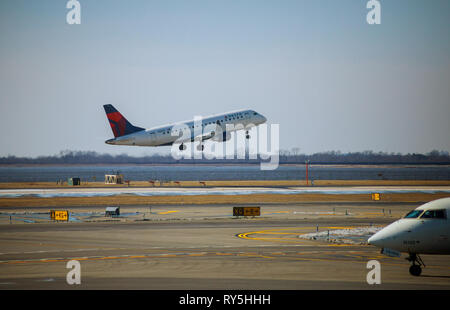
{"type": "Point", "coordinates": [286, 157]}
{"type": "Point", "coordinates": [367, 157]}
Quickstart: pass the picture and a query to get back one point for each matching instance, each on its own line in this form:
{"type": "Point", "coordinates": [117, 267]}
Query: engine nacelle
{"type": "Point", "coordinates": [225, 136]}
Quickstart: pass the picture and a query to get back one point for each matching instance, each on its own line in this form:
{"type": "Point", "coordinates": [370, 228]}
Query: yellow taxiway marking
{"type": "Point", "coordinates": [274, 231]}
{"type": "Point", "coordinates": [199, 254]}
{"type": "Point", "coordinates": [347, 256]}
{"type": "Point", "coordinates": [254, 255]}
{"type": "Point", "coordinates": [249, 235]}
{"type": "Point", "coordinates": [137, 256]}
{"type": "Point", "coordinates": [224, 254]}
{"type": "Point", "coordinates": [167, 212]}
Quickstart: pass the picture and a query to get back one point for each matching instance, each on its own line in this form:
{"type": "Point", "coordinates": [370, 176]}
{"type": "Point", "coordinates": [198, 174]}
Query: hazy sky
{"type": "Point", "coordinates": [317, 68]}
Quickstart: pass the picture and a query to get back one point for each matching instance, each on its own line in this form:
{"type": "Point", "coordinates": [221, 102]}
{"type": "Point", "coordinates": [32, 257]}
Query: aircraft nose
{"type": "Point", "coordinates": [383, 238]}
{"type": "Point", "coordinates": [376, 240]}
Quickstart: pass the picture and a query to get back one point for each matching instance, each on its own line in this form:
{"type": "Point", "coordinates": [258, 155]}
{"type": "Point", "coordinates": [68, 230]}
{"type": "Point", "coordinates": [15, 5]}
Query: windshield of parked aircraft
{"type": "Point", "coordinates": [413, 214]}
{"type": "Point", "coordinates": [434, 214]}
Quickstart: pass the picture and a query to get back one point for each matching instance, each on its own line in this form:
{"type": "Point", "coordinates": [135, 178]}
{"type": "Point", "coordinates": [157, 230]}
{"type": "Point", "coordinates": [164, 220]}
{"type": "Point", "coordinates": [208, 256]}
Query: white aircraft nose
{"type": "Point", "coordinates": [376, 240]}
{"type": "Point", "coordinates": [388, 236]}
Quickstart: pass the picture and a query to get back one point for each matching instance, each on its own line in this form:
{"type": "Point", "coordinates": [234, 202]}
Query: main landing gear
{"type": "Point", "coordinates": [415, 269]}
{"type": "Point", "coordinates": [183, 147]}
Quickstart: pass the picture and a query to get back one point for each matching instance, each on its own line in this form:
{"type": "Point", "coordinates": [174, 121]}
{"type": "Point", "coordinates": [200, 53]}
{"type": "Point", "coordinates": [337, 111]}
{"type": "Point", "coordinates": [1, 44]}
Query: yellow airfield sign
{"type": "Point", "coordinates": [246, 211]}
{"type": "Point", "coordinates": [59, 215]}
{"type": "Point", "coordinates": [376, 196]}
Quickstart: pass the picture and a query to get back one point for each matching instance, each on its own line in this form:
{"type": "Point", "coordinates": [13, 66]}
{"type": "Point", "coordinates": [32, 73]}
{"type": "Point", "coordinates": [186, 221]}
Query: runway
{"type": "Point", "coordinates": [202, 247]}
{"type": "Point", "coordinates": [152, 191]}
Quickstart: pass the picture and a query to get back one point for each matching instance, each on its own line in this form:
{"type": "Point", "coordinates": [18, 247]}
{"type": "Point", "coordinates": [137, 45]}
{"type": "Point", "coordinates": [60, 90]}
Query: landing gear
{"type": "Point", "coordinates": [247, 135]}
{"type": "Point", "coordinates": [415, 269]}
{"type": "Point", "coordinates": [183, 147]}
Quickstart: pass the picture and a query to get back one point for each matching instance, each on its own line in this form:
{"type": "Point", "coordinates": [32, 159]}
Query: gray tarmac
{"type": "Point", "coordinates": [204, 247]}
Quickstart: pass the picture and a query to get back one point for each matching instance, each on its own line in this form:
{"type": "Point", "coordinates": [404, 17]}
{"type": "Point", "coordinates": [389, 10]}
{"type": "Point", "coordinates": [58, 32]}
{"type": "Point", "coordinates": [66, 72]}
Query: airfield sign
{"type": "Point", "coordinates": [246, 211]}
{"type": "Point", "coordinates": [59, 215]}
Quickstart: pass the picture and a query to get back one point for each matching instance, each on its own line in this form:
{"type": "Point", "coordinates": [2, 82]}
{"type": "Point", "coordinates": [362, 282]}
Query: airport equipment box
{"type": "Point", "coordinates": [74, 181]}
{"type": "Point", "coordinates": [112, 211]}
{"type": "Point", "coordinates": [113, 178]}
{"type": "Point", "coordinates": [246, 211]}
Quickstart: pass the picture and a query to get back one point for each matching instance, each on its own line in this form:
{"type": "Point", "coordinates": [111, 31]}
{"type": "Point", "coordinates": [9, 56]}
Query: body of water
{"type": "Point", "coordinates": [209, 172]}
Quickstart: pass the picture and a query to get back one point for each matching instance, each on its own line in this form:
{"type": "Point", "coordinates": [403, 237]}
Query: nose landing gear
{"type": "Point", "coordinates": [415, 269]}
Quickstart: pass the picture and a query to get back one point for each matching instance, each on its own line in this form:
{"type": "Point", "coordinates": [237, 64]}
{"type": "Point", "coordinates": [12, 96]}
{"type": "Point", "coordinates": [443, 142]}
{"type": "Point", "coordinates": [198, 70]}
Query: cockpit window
{"type": "Point", "coordinates": [434, 214]}
{"type": "Point", "coordinates": [413, 214]}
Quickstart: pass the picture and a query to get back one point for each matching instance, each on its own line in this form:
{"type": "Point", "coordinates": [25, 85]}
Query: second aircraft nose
{"type": "Point", "coordinates": [376, 240]}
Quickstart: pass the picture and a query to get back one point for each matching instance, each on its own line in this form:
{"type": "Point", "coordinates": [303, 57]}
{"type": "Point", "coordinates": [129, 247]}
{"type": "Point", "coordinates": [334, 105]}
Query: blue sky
{"type": "Point", "coordinates": [329, 79]}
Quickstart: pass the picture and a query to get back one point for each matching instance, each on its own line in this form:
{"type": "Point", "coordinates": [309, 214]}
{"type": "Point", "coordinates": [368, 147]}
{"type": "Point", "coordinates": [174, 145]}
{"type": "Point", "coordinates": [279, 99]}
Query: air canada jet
{"type": "Point", "coordinates": [425, 230]}
{"type": "Point", "coordinates": [216, 127]}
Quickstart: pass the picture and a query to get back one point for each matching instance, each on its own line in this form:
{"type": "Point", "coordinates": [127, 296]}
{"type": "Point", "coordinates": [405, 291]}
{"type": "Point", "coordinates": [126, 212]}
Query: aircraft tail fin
{"type": "Point", "coordinates": [119, 124]}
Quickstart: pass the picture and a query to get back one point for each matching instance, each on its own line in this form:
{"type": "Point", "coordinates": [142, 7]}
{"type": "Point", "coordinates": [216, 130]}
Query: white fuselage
{"type": "Point", "coordinates": [205, 127]}
{"type": "Point", "coordinates": [425, 230]}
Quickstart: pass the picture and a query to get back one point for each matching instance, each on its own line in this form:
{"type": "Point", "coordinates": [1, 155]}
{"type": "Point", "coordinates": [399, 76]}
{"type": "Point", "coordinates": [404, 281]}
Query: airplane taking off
{"type": "Point", "coordinates": [216, 127]}
{"type": "Point", "coordinates": [425, 230]}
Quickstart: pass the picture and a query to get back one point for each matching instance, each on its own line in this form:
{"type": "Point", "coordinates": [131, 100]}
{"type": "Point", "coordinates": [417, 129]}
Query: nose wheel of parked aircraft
{"type": "Point", "coordinates": [182, 147]}
{"type": "Point", "coordinates": [417, 262]}
{"type": "Point", "coordinates": [247, 135]}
